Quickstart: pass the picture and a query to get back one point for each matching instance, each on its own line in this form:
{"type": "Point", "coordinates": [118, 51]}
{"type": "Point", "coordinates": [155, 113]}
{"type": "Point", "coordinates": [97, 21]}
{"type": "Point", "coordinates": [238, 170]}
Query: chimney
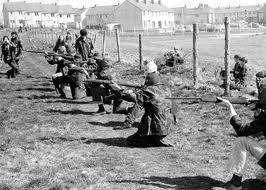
{"type": "Point", "coordinates": [159, 2]}
{"type": "Point", "coordinates": [152, 1]}
{"type": "Point", "coordinates": [145, 1]}
{"type": "Point", "coordinates": [137, 1]}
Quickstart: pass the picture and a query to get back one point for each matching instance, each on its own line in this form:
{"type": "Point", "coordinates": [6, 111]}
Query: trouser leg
{"type": "Point", "coordinates": [145, 141]}
{"type": "Point", "coordinates": [245, 145]}
{"type": "Point", "coordinates": [133, 113]}
{"type": "Point", "coordinates": [14, 68]}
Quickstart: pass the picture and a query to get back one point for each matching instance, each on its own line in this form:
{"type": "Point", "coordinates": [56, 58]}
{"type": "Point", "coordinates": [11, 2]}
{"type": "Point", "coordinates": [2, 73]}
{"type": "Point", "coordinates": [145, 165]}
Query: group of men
{"type": "Point", "coordinates": [73, 62]}
{"type": "Point", "coordinates": [11, 53]}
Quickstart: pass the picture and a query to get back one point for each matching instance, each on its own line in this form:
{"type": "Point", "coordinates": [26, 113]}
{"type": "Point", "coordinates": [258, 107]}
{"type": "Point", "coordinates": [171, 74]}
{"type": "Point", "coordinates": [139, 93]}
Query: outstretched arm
{"type": "Point", "coordinates": [231, 107]}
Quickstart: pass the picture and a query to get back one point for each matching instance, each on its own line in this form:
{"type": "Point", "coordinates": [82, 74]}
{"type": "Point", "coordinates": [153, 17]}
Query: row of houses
{"type": "Point", "coordinates": [130, 15]}
{"type": "Point", "coordinates": [205, 14]}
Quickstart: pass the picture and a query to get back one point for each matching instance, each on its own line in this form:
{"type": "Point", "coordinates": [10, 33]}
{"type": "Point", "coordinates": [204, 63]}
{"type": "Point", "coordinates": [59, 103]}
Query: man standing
{"type": "Point", "coordinates": [16, 52]}
{"type": "Point", "coordinates": [84, 45]}
{"type": "Point", "coordinates": [240, 72]}
{"type": "Point", "coordinates": [157, 119]}
{"type": "Point", "coordinates": [245, 142]}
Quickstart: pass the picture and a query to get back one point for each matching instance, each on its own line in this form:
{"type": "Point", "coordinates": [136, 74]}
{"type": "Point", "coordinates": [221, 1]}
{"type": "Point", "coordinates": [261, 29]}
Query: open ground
{"type": "Point", "coordinates": [50, 143]}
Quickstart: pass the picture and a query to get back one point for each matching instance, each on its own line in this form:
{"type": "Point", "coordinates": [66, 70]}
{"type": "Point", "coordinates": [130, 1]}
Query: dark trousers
{"type": "Point", "coordinates": [60, 83]}
{"type": "Point", "coordinates": [133, 113]}
{"type": "Point", "coordinates": [14, 69]}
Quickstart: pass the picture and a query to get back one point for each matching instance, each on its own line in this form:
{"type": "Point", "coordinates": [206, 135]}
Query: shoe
{"type": "Point", "coordinates": [228, 186]}
{"type": "Point", "coordinates": [124, 126]}
{"type": "Point", "coordinates": [101, 109]}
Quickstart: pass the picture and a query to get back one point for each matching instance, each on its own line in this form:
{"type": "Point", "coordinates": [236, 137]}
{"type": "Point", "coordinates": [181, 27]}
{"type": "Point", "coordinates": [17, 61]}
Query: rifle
{"type": "Point", "coordinates": [233, 100]}
{"type": "Point", "coordinates": [53, 54]}
{"type": "Point", "coordinates": [110, 82]}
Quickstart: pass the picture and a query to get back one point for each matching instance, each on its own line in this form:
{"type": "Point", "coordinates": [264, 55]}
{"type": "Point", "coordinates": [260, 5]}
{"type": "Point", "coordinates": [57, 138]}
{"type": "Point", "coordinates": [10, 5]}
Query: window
{"type": "Point", "coordinates": [20, 12]}
{"type": "Point", "coordinates": [11, 13]}
{"type": "Point", "coordinates": [44, 14]}
{"type": "Point", "coordinates": [36, 14]}
{"type": "Point", "coordinates": [52, 14]}
{"type": "Point", "coordinates": [68, 16]}
{"type": "Point", "coordinates": [60, 15]}
{"type": "Point", "coordinates": [28, 14]}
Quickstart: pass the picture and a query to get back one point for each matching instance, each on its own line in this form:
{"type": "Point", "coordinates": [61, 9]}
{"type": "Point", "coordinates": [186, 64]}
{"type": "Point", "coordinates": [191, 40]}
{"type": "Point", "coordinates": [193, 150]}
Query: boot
{"type": "Point", "coordinates": [101, 109]}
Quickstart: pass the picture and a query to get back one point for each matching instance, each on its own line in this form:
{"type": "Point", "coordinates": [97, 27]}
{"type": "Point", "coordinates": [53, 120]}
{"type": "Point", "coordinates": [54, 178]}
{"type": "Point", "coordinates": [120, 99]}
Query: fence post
{"type": "Point", "coordinates": [118, 44]}
{"type": "Point", "coordinates": [227, 56]}
{"type": "Point", "coordinates": [94, 41]}
{"type": "Point", "coordinates": [195, 55]}
{"type": "Point", "coordinates": [140, 52]}
{"type": "Point", "coordinates": [104, 42]}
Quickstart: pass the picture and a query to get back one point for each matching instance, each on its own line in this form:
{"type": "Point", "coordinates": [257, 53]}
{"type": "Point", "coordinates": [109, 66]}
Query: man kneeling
{"type": "Point", "coordinates": [157, 119]}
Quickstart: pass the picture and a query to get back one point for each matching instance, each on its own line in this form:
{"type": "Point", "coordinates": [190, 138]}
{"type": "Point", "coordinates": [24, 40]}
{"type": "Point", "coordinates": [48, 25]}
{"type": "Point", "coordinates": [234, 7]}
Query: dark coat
{"type": "Point", "coordinates": [6, 53]}
{"type": "Point", "coordinates": [16, 49]}
{"type": "Point", "coordinates": [84, 48]}
{"type": "Point", "coordinates": [247, 129]}
{"type": "Point", "coordinates": [157, 117]}
{"type": "Point", "coordinates": [240, 73]}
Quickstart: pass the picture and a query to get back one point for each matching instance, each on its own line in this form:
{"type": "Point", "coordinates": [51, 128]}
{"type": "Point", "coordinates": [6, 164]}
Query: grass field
{"type": "Point", "coordinates": [53, 144]}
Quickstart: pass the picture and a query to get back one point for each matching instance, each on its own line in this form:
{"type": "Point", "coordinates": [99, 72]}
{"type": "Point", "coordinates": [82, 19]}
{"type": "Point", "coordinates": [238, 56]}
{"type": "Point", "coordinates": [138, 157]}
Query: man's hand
{"type": "Point", "coordinates": [224, 100]}
{"type": "Point", "coordinates": [232, 110]}
{"type": "Point", "coordinates": [116, 85]}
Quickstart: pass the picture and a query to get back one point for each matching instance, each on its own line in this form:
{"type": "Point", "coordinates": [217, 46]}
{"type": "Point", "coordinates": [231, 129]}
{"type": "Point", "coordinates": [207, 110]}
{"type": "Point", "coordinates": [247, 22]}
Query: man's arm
{"type": "Point", "coordinates": [244, 129]}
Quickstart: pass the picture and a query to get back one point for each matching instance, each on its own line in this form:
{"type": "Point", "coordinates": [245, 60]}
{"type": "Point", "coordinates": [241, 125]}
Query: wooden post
{"type": "Point", "coordinates": [195, 55]}
{"type": "Point", "coordinates": [118, 44]}
{"type": "Point", "coordinates": [227, 56]}
{"type": "Point", "coordinates": [140, 52]}
{"type": "Point", "coordinates": [94, 41]}
{"type": "Point", "coordinates": [104, 42]}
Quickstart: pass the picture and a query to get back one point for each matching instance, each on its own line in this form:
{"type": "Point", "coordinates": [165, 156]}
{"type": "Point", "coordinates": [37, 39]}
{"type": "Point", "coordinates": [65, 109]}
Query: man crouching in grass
{"type": "Point", "coordinates": [245, 142]}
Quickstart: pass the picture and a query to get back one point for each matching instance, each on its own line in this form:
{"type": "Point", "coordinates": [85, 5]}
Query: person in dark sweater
{"type": "Point", "coordinates": [246, 143]}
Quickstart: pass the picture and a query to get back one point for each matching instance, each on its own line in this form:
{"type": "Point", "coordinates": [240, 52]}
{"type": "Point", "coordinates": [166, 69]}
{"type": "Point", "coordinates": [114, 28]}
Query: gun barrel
{"type": "Point", "coordinates": [110, 82]}
{"type": "Point", "coordinates": [233, 100]}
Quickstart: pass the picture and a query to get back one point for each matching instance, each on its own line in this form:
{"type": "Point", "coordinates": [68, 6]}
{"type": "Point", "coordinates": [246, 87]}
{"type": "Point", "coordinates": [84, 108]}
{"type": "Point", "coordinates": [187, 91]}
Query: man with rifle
{"type": "Point", "coordinates": [16, 53]}
{"type": "Point", "coordinates": [239, 73]}
{"type": "Point", "coordinates": [66, 72]}
{"type": "Point", "coordinates": [157, 119]}
{"type": "Point", "coordinates": [246, 144]}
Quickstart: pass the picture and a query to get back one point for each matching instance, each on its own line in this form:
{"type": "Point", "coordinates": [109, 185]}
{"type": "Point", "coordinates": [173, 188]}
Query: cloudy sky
{"type": "Point", "coordinates": [169, 3]}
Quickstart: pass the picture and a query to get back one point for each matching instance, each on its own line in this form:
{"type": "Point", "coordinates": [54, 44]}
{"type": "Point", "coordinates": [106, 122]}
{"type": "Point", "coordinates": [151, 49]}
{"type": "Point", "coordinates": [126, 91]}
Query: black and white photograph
{"type": "Point", "coordinates": [133, 95]}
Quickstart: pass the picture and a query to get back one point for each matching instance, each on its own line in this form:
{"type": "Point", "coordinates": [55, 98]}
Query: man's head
{"type": "Point", "coordinates": [259, 78]}
{"type": "Point", "coordinates": [14, 35]}
{"type": "Point", "coordinates": [236, 58]}
{"type": "Point", "coordinates": [71, 51]}
{"type": "Point", "coordinates": [151, 67]}
{"type": "Point", "coordinates": [61, 50]}
{"type": "Point", "coordinates": [243, 60]}
{"type": "Point", "coordinates": [83, 33]}
{"type": "Point", "coordinates": [5, 40]}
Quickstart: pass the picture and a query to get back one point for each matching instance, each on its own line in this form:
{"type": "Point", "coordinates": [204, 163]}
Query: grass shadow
{"type": "Point", "coordinates": [72, 112]}
{"type": "Point", "coordinates": [41, 97]}
{"type": "Point", "coordinates": [108, 124]}
{"type": "Point", "coordinates": [119, 141]}
{"type": "Point", "coordinates": [38, 89]}
{"type": "Point", "coordinates": [192, 183]}
{"type": "Point", "coordinates": [187, 182]}
{"type": "Point", "coordinates": [70, 101]}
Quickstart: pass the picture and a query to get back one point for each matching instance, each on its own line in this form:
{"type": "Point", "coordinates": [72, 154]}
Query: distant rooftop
{"type": "Point", "coordinates": [101, 10]}
{"type": "Point", "coordinates": [148, 6]}
{"type": "Point", "coordinates": [39, 7]}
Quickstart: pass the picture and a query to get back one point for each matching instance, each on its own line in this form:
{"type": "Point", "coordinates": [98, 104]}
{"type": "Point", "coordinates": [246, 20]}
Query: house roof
{"type": "Point", "coordinates": [150, 6]}
{"type": "Point", "coordinates": [102, 10]}
{"type": "Point", "coordinates": [192, 11]}
{"type": "Point", "coordinates": [79, 11]}
{"type": "Point", "coordinates": [37, 7]}
{"type": "Point", "coordinates": [224, 10]}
